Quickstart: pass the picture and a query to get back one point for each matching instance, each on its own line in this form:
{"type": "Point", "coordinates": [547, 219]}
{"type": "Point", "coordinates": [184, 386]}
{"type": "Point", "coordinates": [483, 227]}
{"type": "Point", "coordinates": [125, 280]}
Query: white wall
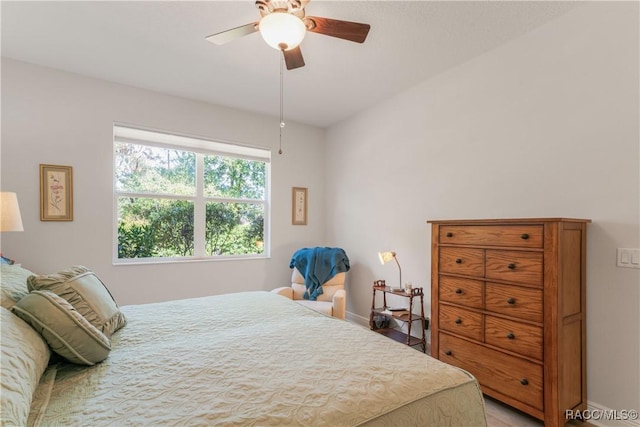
{"type": "Point", "coordinates": [545, 126]}
{"type": "Point", "coordinates": [54, 117]}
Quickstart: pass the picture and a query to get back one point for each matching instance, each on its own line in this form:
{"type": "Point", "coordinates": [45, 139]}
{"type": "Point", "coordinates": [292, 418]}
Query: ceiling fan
{"type": "Point", "coordinates": [283, 25]}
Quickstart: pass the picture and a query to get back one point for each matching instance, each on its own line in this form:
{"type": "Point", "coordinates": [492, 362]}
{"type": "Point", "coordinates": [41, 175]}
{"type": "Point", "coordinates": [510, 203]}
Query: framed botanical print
{"type": "Point", "coordinates": [299, 206]}
{"type": "Point", "coordinates": [56, 193]}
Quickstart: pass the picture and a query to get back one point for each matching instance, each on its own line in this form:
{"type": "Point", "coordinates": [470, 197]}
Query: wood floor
{"type": "Point", "coordinates": [501, 415]}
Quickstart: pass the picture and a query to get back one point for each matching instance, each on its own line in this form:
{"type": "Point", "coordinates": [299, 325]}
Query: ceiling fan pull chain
{"type": "Point", "coordinates": [281, 102]}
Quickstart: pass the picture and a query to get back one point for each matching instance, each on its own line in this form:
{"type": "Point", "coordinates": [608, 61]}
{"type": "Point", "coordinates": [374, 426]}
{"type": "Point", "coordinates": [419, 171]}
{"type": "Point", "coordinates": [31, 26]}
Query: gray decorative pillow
{"type": "Point", "coordinates": [23, 359]}
{"type": "Point", "coordinates": [13, 285]}
{"type": "Point", "coordinates": [65, 330]}
{"type": "Point", "coordinates": [86, 293]}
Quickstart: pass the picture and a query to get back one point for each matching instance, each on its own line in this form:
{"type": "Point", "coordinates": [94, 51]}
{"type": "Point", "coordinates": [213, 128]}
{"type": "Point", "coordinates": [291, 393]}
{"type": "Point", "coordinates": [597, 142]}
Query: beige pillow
{"type": "Point", "coordinates": [65, 330]}
{"type": "Point", "coordinates": [86, 293]}
{"type": "Point", "coordinates": [24, 358]}
{"type": "Point", "coordinates": [13, 284]}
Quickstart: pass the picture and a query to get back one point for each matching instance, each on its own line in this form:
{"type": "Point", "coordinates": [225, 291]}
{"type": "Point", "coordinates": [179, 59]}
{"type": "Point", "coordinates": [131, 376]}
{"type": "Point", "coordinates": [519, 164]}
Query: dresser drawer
{"type": "Point", "coordinates": [467, 292]}
{"type": "Point", "coordinates": [514, 266]}
{"type": "Point", "coordinates": [514, 336]}
{"type": "Point", "coordinates": [462, 322]}
{"type": "Point", "coordinates": [510, 375]}
{"type": "Point", "coordinates": [523, 303]}
{"type": "Point", "coordinates": [465, 261]}
{"type": "Point", "coordinates": [521, 236]}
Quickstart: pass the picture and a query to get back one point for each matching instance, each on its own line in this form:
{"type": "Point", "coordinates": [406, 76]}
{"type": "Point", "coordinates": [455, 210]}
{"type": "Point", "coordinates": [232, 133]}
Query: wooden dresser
{"type": "Point", "coordinates": [508, 305]}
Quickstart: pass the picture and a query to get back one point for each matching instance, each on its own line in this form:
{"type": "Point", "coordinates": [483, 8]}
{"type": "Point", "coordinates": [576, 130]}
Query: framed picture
{"type": "Point", "coordinates": [56, 193]}
{"type": "Point", "coordinates": [299, 206]}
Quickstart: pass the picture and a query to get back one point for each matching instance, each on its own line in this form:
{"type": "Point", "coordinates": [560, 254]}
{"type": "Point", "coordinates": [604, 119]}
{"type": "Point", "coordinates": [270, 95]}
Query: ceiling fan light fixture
{"type": "Point", "coordinates": [282, 30]}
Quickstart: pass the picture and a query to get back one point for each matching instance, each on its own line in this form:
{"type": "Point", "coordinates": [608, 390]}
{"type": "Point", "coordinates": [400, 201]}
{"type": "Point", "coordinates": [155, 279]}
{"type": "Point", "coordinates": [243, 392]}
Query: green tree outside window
{"type": "Point", "coordinates": [157, 201]}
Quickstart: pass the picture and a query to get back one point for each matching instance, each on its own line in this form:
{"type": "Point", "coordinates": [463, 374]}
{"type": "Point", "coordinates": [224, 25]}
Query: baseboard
{"type": "Point", "coordinates": [602, 416]}
{"type": "Point", "coordinates": [357, 319]}
{"type": "Point", "coordinates": [364, 321]}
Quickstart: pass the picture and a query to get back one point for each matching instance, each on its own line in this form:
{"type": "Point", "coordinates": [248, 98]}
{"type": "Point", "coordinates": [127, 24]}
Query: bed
{"type": "Point", "coordinates": [250, 358]}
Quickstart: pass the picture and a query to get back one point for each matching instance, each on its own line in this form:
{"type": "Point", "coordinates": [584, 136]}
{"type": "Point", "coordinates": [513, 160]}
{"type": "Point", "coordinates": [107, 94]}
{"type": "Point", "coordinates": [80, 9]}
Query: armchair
{"type": "Point", "coordinates": [332, 301]}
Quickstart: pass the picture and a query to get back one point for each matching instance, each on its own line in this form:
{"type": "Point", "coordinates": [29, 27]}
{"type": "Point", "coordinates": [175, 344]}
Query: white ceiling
{"type": "Point", "coordinates": [161, 46]}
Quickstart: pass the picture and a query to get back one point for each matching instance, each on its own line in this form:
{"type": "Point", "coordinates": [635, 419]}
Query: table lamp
{"type": "Point", "coordinates": [10, 219]}
{"type": "Point", "coordinates": [385, 257]}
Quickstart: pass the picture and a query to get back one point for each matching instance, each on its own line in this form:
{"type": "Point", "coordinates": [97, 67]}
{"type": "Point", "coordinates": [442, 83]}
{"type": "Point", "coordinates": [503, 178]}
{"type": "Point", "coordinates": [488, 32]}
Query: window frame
{"type": "Point", "coordinates": [201, 147]}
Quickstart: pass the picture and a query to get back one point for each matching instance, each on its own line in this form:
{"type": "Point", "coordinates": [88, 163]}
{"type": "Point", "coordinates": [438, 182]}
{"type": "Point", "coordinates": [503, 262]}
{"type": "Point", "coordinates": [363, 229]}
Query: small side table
{"type": "Point", "coordinates": [406, 317]}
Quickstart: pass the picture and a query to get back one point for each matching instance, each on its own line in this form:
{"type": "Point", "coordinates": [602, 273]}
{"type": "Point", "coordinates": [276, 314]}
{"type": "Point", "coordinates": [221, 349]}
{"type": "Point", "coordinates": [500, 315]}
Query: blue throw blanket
{"type": "Point", "coordinates": [317, 266]}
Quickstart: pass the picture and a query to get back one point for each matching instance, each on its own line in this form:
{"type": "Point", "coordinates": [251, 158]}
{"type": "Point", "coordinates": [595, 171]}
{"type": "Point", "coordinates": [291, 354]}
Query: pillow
{"type": "Point", "coordinates": [13, 284]}
{"type": "Point", "coordinates": [65, 330]}
{"type": "Point", "coordinates": [86, 293]}
{"type": "Point", "coordinates": [24, 358]}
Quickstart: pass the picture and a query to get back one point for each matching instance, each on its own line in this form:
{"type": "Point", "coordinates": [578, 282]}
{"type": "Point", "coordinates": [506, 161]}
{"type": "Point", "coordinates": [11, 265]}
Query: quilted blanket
{"type": "Point", "coordinates": [246, 359]}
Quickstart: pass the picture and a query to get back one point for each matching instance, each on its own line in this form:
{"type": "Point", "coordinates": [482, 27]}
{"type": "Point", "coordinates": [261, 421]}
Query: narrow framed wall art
{"type": "Point", "coordinates": [56, 193]}
{"type": "Point", "coordinates": [299, 206]}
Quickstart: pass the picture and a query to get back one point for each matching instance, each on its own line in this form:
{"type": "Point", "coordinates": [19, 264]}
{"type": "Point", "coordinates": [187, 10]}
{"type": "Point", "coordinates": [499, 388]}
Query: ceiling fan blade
{"type": "Point", "coordinates": [232, 34]}
{"type": "Point", "coordinates": [293, 58]}
{"type": "Point", "coordinates": [352, 31]}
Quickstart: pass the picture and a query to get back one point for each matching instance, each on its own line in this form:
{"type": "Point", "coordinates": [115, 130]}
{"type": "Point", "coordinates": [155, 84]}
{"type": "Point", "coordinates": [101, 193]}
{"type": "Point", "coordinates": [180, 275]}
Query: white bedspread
{"type": "Point", "coordinates": [254, 358]}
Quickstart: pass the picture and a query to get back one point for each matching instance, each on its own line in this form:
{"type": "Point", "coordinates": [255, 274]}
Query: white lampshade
{"type": "Point", "coordinates": [385, 257]}
{"type": "Point", "coordinates": [282, 30]}
{"type": "Point", "coordinates": [10, 219]}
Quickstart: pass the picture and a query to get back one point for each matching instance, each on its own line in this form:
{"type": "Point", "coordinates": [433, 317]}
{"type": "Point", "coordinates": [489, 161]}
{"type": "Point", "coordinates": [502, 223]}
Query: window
{"type": "Point", "coordinates": [184, 198]}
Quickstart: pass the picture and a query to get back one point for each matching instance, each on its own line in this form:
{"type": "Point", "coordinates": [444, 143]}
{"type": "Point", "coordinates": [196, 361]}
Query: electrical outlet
{"type": "Point", "coordinates": [628, 258]}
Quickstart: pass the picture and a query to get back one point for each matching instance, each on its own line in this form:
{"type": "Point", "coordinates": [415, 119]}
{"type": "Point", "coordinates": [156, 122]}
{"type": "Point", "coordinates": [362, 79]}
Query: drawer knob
{"type": "Point", "coordinates": [511, 266]}
{"type": "Point", "coordinates": [458, 321]}
{"type": "Point", "coordinates": [458, 291]}
{"type": "Point", "coordinates": [448, 353]}
{"type": "Point", "coordinates": [511, 336]}
{"type": "Point", "coordinates": [511, 301]}
{"type": "Point", "coordinates": [525, 236]}
{"type": "Point", "coordinates": [524, 381]}
{"type": "Point", "coordinates": [449, 234]}
{"type": "Point", "coordinates": [458, 261]}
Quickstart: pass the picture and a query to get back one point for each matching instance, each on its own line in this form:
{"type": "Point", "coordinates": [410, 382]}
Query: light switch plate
{"type": "Point", "coordinates": [628, 258]}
